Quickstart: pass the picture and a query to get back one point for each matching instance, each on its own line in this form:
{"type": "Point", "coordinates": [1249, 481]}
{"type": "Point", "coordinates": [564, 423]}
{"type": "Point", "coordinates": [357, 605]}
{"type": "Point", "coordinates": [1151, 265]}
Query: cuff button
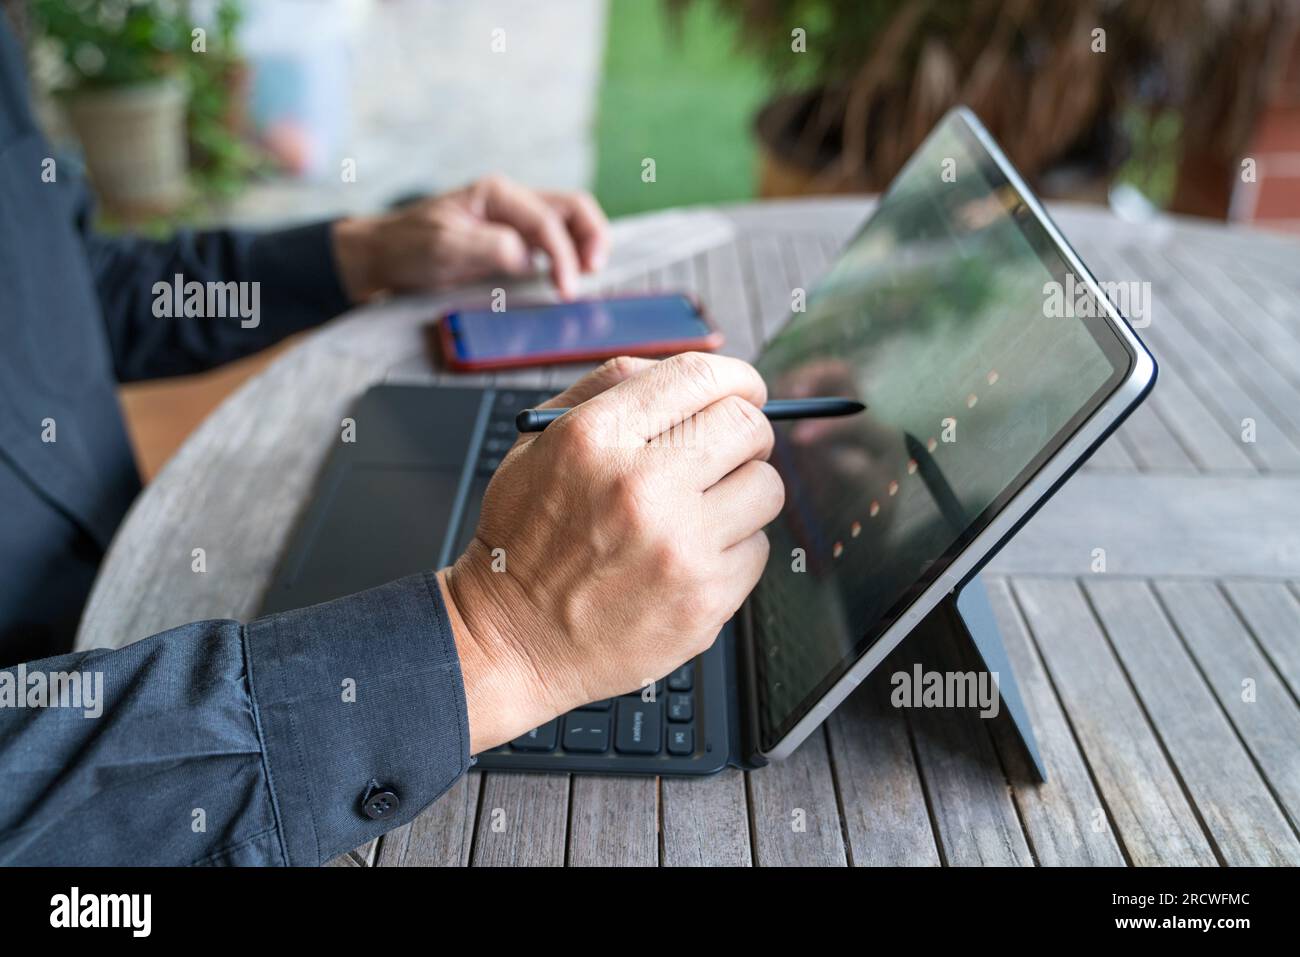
{"type": "Point", "coordinates": [378, 804]}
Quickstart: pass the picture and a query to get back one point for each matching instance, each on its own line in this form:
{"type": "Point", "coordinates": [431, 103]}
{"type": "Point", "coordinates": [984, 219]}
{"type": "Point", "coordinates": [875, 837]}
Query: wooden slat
{"type": "Point", "coordinates": [1272, 338]}
{"type": "Point", "coordinates": [837, 215]}
{"type": "Point", "coordinates": [1256, 700]}
{"type": "Point", "coordinates": [1162, 525]}
{"type": "Point", "coordinates": [727, 299]}
{"type": "Point", "coordinates": [1194, 423]}
{"type": "Point", "coordinates": [794, 817]}
{"type": "Point", "coordinates": [1270, 390]}
{"type": "Point", "coordinates": [1151, 814]}
{"type": "Point", "coordinates": [1224, 393]}
{"type": "Point", "coordinates": [1200, 428]}
{"type": "Point", "coordinates": [770, 288]}
{"type": "Point", "coordinates": [1064, 816]}
{"type": "Point", "coordinates": [1242, 817]}
{"type": "Point", "coordinates": [1278, 301]}
{"type": "Point", "coordinates": [522, 820]}
{"type": "Point", "coordinates": [705, 821]}
{"type": "Point", "coordinates": [1273, 616]}
{"type": "Point", "coordinates": [974, 816]}
{"type": "Point", "coordinates": [1152, 444]}
{"type": "Point", "coordinates": [886, 818]}
{"type": "Point", "coordinates": [441, 836]}
{"type": "Point", "coordinates": [808, 260]}
{"type": "Point", "coordinates": [613, 821]}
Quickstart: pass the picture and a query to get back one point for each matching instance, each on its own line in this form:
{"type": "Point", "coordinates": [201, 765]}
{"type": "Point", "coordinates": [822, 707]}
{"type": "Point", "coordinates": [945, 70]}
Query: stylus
{"type": "Point", "coordinates": [534, 420]}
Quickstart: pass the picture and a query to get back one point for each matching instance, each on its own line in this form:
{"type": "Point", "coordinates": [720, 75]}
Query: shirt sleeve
{"type": "Point", "coordinates": [250, 290]}
{"type": "Point", "coordinates": [286, 741]}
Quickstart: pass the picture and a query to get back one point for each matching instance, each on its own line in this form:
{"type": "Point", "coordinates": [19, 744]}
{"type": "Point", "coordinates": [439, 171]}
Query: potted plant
{"type": "Point", "coordinates": [124, 90]}
{"type": "Point", "coordinates": [222, 157]}
{"type": "Point", "coordinates": [863, 81]}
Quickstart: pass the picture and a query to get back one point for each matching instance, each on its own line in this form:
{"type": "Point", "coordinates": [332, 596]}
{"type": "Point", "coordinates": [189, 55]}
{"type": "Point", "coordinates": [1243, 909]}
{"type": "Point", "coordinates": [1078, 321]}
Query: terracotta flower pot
{"type": "Point", "coordinates": [135, 144]}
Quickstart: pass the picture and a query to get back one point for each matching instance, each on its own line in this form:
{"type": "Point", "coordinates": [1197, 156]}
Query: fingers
{"type": "Point", "coordinates": [668, 393]}
{"type": "Point", "coordinates": [743, 502]}
{"type": "Point", "coordinates": [540, 224]}
{"type": "Point", "coordinates": [715, 442]}
{"type": "Point", "coordinates": [743, 565]}
{"type": "Point", "coordinates": [587, 225]}
{"type": "Point", "coordinates": [485, 249]}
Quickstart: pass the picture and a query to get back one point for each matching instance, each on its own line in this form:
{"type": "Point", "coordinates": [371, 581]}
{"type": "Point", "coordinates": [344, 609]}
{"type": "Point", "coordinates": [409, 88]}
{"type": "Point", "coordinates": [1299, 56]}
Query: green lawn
{"type": "Point", "coordinates": [685, 98]}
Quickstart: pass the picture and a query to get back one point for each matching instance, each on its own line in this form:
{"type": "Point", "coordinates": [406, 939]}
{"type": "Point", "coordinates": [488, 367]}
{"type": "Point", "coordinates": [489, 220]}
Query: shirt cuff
{"type": "Point", "coordinates": [300, 279]}
{"type": "Point", "coordinates": [357, 697]}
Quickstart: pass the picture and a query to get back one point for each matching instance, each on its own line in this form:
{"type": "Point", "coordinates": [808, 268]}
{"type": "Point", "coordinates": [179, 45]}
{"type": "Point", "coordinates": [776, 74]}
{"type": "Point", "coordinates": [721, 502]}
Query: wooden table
{"type": "Point", "coordinates": [1164, 691]}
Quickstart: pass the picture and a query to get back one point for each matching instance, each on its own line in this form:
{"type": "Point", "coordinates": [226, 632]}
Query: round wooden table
{"type": "Point", "coordinates": [1133, 677]}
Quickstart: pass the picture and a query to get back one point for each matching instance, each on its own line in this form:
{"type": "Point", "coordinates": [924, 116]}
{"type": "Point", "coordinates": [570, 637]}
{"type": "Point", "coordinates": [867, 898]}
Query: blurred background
{"type": "Point", "coordinates": [264, 112]}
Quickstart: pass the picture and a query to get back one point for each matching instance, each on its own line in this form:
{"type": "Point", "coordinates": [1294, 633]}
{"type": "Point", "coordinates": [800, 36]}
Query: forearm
{"type": "Point", "coordinates": [283, 282]}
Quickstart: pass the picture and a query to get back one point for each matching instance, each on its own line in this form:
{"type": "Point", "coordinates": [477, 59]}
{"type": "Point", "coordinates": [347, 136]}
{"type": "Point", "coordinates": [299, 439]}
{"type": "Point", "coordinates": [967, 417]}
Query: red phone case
{"type": "Point", "coordinates": [705, 343]}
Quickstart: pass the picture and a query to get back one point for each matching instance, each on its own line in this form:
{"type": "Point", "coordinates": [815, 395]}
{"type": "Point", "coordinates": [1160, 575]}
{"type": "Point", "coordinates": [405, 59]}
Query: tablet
{"type": "Point", "coordinates": [991, 363]}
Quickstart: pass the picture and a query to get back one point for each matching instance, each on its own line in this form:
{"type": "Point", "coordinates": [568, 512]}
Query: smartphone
{"type": "Point", "coordinates": [584, 331]}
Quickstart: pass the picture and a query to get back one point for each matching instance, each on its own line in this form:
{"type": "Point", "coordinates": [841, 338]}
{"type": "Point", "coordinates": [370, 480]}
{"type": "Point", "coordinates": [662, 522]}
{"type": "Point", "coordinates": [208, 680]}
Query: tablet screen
{"type": "Point", "coordinates": [938, 317]}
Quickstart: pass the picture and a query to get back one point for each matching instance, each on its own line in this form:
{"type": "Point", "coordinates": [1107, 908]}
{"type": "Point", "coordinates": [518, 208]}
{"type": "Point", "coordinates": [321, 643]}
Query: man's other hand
{"type": "Point", "coordinates": [491, 227]}
{"type": "Point", "coordinates": [613, 546]}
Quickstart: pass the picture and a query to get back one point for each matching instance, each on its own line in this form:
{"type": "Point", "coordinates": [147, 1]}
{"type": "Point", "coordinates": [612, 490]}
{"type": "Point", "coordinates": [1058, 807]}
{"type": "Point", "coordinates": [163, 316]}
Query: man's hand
{"type": "Point", "coordinates": [490, 227]}
{"type": "Point", "coordinates": [613, 546]}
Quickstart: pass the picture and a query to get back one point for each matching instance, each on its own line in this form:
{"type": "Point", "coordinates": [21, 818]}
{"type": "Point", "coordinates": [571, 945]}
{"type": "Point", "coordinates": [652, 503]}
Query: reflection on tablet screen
{"type": "Point", "coordinates": [935, 318]}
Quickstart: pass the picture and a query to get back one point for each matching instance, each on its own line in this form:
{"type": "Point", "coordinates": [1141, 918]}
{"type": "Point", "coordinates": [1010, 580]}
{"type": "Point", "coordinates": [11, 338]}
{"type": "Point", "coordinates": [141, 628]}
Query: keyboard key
{"type": "Point", "coordinates": [597, 705]}
{"type": "Point", "coordinates": [681, 739]}
{"type": "Point", "coordinates": [638, 727]}
{"type": "Point", "coordinates": [680, 707]}
{"type": "Point", "coordinates": [586, 731]}
{"type": "Point", "coordinates": [538, 739]}
{"type": "Point", "coordinates": [683, 678]}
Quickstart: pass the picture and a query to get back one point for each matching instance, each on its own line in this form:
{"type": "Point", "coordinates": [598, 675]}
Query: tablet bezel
{"type": "Point", "coordinates": [1081, 436]}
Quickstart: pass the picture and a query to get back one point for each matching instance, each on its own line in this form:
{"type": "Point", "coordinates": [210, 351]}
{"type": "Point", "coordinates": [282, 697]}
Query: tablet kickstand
{"type": "Point", "coordinates": [968, 618]}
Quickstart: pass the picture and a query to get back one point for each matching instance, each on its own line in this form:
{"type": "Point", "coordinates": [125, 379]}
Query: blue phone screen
{"type": "Point", "coordinates": [596, 326]}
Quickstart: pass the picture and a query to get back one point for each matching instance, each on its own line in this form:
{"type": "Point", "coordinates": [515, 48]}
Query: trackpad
{"type": "Point", "coordinates": [376, 523]}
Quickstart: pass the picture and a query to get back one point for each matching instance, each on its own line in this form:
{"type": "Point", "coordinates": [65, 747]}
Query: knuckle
{"type": "Point", "coordinates": [619, 367]}
{"type": "Point", "coordinates": [576, 441]}
{"type": "Point", "coordinates": [505, 250]}
{"type": "Point", "coordinates": [629, 503]}
{"type": "Point", "coordinates": [697, 369]}
{"type": "Point", "coordinates": [773, 487]}
{"type": "Point", "coordinates": [667, 562]}
{"type": "Point", "coordinates": [744, 417]}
